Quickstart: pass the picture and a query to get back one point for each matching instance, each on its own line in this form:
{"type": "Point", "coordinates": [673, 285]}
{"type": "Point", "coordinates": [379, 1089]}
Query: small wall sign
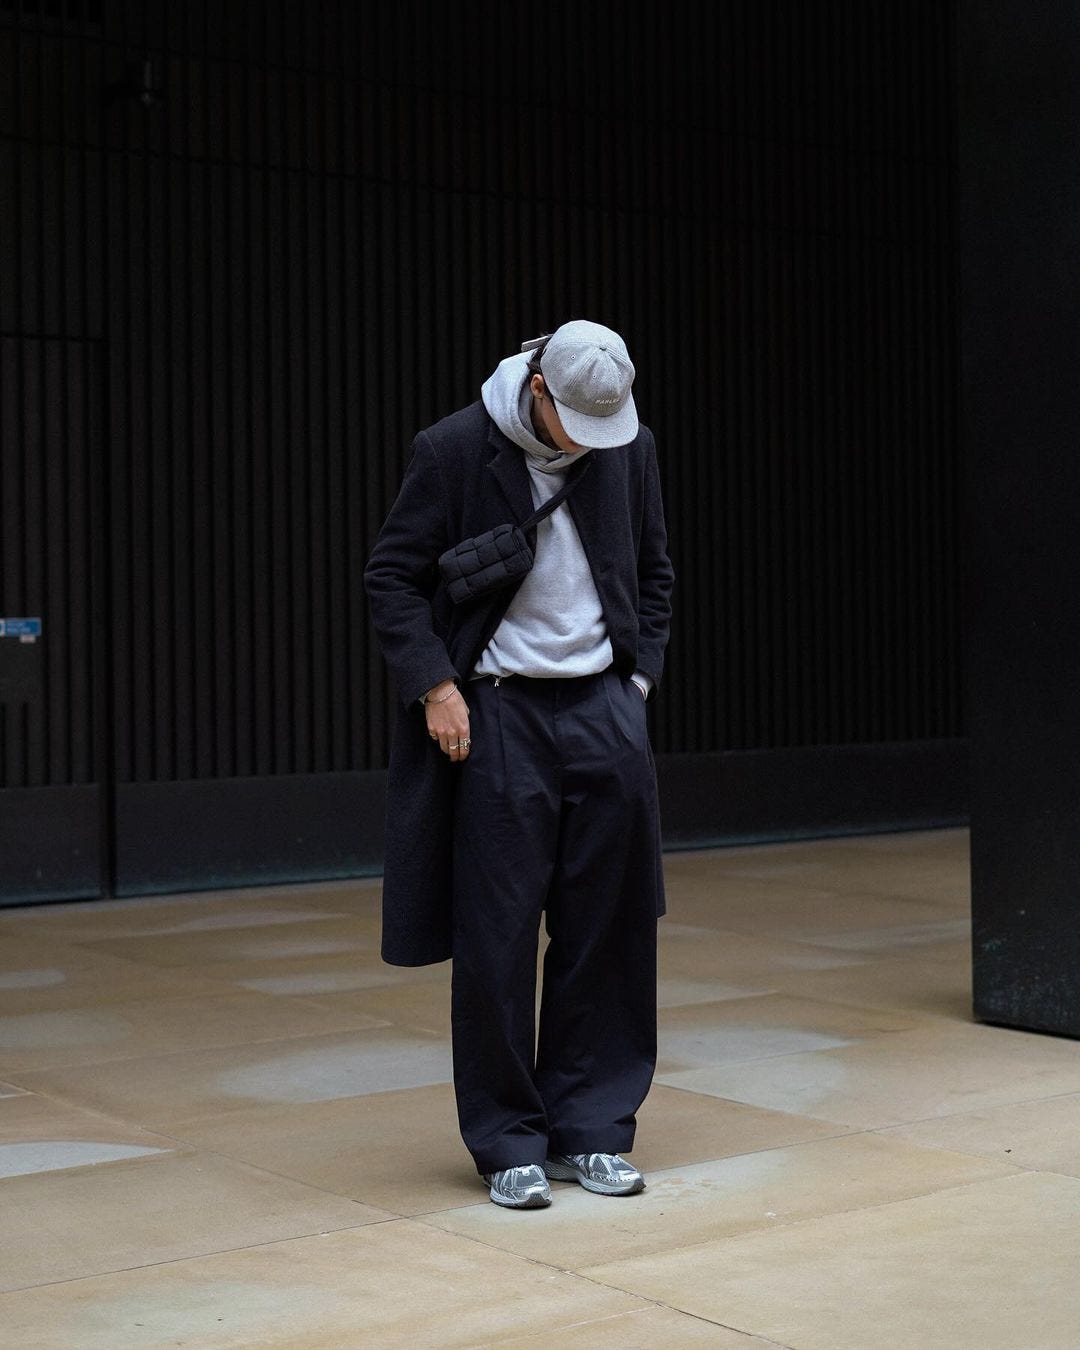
{"type": "Point", "coordinates": [26, 630]}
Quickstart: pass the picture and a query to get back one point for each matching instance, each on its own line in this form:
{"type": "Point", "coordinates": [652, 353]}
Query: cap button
{"type": "Point", "coordinates": [603, 346]}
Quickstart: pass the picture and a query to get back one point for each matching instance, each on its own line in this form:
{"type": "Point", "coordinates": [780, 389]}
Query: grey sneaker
{"type": "Point", "coordinates": [520, 1187]}
{"type": "Point", "coordinates": [604, 1173]}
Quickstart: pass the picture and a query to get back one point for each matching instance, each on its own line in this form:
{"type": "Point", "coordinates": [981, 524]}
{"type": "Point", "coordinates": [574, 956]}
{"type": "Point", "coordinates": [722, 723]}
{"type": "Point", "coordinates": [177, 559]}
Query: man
{"type": "Point", "coordinates": [521, 777]}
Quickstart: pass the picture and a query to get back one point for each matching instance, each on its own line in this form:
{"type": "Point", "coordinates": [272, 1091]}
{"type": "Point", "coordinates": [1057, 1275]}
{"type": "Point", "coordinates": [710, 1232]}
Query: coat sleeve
{"type": "Point", "coordinates": [400, 576]}
{"type": "Point", "coordinates": [656, 576]}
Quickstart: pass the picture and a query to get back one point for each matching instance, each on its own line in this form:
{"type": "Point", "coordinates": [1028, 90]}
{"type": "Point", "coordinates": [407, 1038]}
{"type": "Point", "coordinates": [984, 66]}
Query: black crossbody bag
{"type": "Point", "coordinates": [491, 560]}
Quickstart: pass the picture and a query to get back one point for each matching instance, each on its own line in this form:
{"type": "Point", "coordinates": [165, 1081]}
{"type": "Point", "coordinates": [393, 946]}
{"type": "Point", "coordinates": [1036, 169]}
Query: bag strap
{"type": "Point", "coordinates": [556, 500]}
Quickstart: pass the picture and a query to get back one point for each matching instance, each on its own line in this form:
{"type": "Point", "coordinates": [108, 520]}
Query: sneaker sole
{"type": "Point", "coordinates": [532, 1202]}
{"type": "Point", "coordinates": [556, 1171]}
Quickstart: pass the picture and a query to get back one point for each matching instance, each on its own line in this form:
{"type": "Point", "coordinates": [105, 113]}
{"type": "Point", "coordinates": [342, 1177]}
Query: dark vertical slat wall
{"type": "Point", "coordinates": [51, 434]}
{"type": "Point", "coordinates": [318, 228]}
{"type": "Point", "coordinates": [759, 199]}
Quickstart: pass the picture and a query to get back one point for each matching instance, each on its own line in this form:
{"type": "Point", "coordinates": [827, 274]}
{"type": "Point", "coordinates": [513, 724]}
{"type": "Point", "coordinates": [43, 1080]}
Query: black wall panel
{"type": "Point", "coordinates": [296, 233]}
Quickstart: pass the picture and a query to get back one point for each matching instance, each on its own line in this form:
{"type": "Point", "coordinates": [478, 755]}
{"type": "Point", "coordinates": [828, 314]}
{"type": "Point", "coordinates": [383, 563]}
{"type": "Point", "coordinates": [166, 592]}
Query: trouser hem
{"type": "Point", "coordinates": [500, 1161]}
{"type": "Point", "coordinates": [616, 1141]}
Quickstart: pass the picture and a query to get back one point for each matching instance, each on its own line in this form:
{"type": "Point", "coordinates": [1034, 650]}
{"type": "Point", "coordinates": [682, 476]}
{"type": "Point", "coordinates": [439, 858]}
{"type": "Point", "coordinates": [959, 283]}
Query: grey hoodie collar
{"type": "Point", "coordinates": [507, 398]}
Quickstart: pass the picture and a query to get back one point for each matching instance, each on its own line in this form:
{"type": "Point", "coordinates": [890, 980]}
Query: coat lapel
{"type": "Point", "coordinates": [508, 466]}
{"type": "Point", "coordinates": [590, 507]}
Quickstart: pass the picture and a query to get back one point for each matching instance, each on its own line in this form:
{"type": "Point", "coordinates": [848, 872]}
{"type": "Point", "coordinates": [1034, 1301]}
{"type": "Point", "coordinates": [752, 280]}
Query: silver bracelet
{"type": "Point", "coordinates": [427, 700]}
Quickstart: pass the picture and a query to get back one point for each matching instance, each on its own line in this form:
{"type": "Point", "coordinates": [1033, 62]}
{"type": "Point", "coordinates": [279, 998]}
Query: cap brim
{"type": "Point", "coordinates": [598, 433]}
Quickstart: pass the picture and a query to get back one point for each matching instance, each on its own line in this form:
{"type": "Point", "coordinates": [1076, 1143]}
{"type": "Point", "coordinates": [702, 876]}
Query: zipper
{"type": "Point", "coordinates": [498, 681]}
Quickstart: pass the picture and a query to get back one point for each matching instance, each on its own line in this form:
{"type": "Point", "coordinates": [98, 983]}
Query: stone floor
{"type": "Point", "coordinates": [223, 1122]}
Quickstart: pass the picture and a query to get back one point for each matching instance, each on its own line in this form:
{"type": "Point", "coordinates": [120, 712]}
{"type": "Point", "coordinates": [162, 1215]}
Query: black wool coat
{"type": "Point", "coordinates": [466, 477]}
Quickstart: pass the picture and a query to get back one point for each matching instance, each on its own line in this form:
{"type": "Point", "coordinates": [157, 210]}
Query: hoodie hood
{"type": "Point", "coordinates": [507, 397]}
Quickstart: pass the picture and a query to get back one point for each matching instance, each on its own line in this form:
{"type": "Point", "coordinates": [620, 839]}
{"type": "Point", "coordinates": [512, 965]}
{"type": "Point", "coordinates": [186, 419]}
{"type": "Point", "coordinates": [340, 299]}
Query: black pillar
{"type": "Point", "coordinates": [1019, 158]}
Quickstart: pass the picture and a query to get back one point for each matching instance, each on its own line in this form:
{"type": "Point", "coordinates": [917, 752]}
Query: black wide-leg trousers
{"type": "Point", "coordinates": [555, 813]}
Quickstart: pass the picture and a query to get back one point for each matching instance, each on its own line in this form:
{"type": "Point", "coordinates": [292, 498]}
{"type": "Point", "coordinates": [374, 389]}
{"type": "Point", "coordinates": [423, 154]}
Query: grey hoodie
{"type": "Point", "coordinates": [554, 625]}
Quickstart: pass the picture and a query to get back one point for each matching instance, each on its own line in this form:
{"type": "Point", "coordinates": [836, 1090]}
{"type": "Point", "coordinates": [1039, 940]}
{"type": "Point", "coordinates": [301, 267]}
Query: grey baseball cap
{"type": "Point", "coordinates": [588, 372]}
